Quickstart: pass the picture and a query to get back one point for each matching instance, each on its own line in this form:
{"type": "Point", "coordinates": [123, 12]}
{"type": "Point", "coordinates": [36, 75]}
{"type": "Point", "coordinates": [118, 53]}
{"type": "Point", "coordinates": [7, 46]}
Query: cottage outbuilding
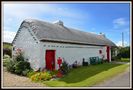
{"type": "Point", "coordinates": [44, 44]}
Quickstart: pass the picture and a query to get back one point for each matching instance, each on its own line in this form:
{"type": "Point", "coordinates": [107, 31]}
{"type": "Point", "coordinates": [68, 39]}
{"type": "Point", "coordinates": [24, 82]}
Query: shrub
{"type": "Point", "coordinates": [124, 52]}
{"type": "Point", "coordinates": [54, 72]}
{"type": "Point", "coordinates": [25, 72]}
{"type": "Point", "coordinates": [19, 57]}
{"type": "Point", "coordinates": [64, 68]}
{"type": "Point", "coordinates": [6, 56]}
{"type": "Point", "coordinates": [19, 65]}
{"type": "Point", "coordinates": [6, 59]}
{"type": "Point", "coordinates": [41, 76]}
{"type": "Point", "coordinates": [10, 66]}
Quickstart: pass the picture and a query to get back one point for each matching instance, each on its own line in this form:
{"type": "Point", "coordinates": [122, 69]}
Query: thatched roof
{"type": "Point", "coordinates": [46, 31]}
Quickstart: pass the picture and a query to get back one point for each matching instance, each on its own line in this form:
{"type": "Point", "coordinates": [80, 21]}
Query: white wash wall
{"type": "Point", "coordinates": [71, 52]}
{"type": "Point", "coordinates": [29, 46]}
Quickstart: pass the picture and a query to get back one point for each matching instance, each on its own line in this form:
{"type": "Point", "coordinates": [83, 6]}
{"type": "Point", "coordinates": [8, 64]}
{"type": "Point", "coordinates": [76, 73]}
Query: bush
{"type": "Point", "coordinates": [6, 56]}
{"type": "Point", "coordinates": [19, 65]}
{"type": "Point", "coordinates": [54, 72]}
{"type": "Point", "coordinates": [19, 57]}
{"type": "Point", "coordinates": [6, 59]}
{"type": "Point", "coordinates": [41, 76]}
{"type": "Point", "coordinates": [10, 66]}
{"type": "Point", "coordinates": [124, 52]}
{"type": "Point", "coordinates": [25, 72]}
{"type": "Point", "coordinates": [64, 68]}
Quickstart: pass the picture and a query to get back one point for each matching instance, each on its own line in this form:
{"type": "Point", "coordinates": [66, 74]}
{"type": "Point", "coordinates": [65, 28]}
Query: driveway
{"type": "Point", "coordinates": [12, 80]}
{"type": "Point", "coordinates": [121, 80]}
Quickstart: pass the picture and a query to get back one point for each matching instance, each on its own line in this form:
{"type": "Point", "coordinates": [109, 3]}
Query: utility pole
{"type": "Point", "coordinates": [122, 39]}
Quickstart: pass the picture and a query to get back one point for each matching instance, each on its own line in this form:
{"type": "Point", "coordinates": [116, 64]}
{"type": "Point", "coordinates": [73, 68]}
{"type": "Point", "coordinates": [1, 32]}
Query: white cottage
{"type": "Point", "coordinates": [43, 43]}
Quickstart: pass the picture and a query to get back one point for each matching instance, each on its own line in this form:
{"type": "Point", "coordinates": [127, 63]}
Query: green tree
{"type": "Point", "coordinates": [124, 52]}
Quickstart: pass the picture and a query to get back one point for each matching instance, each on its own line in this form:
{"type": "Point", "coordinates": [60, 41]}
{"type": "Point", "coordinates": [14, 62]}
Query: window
{"type": "Point", "coordinates": [100, 51]}
{"type": "Point", "coordinates": [13, 48]}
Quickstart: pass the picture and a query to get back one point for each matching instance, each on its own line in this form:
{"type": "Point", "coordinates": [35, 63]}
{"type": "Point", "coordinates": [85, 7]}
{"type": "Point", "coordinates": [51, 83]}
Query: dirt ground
{"type": "Point", "coordinates": [12, 80]}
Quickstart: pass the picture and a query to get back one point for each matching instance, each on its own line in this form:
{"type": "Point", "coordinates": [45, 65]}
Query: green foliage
{"type": "Point", "coordinates": [25, 72]}
{"type": "Point", "coordinates": [64, 68]}
{"type": "Point", "coordinates": [7, 49]}
{"type": "Point", "coordinates": [7, 45]}
{"type": "Point", "coordinates": [19, 65]}
{"type": "Point", "coordinates": [41, 76]}
{"type": "Point", "coordinates": [6, 56]}
{"type": "Point", "coordinates": [6, 59]}
{"type": "Point", "coordinates": [125, 59]}
{"type": "Point", "coordinates": [124, 52]}
{"type": "Point", "coordinates": [30, 73]}
{"type": "Point", "coordinates": [10, 66]}
{"type": "Point", "coordinates": [19, 57]}
{"type": "Point", "coordinates": [54, 72]}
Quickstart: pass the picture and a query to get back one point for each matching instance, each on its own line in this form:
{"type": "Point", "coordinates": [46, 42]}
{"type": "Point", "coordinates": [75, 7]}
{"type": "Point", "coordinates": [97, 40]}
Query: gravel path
{"type": "Point", "coordinates": [121, 80]}
{"type": "Point", "coordinates": [12, 80]}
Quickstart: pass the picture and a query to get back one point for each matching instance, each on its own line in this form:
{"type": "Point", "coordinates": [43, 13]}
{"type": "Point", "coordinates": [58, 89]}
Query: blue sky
{"type": "Point", "coordinates": [109, 18]}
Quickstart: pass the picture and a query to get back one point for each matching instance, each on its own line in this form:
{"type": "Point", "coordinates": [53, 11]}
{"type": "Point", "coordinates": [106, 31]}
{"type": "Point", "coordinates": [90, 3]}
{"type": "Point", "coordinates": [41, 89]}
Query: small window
{"type": "Point", "coordinates": [13, 48]}
{"type": "Point", "coordinates": [100, 51]}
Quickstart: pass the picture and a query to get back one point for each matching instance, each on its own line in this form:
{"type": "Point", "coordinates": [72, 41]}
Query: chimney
{"type": "Point", "coordinates": [102, 34]}
{"type": "Point", "coordinates": [58, 22]}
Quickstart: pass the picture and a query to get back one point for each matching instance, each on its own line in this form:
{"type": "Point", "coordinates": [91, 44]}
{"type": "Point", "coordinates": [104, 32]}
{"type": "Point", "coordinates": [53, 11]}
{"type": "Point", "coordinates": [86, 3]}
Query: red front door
{"type": "Point", "coordinates": [108, 53]}
{"type": "Point", "coordinates": [50, 59]}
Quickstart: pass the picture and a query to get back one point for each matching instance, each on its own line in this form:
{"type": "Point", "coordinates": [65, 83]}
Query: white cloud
{"type": "Point", "coordinates": [119, 43]}
{"type": "Point", "coordinates": [36, 10]}
{"type": "Point", "coordinates": [9, 36]}
{"type": "Point", "coordinates": [119, 22]}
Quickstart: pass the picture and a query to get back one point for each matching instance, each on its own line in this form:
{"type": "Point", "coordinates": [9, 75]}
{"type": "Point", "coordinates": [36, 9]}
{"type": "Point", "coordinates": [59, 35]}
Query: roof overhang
{"type": "Point", "coordinates": [69, 42]}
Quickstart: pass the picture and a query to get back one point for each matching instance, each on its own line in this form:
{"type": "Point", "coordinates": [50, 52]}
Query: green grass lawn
{"type": "Point", "coordinates": [125, 60]}
{"type": "Point", "coordinates": [88, 75]}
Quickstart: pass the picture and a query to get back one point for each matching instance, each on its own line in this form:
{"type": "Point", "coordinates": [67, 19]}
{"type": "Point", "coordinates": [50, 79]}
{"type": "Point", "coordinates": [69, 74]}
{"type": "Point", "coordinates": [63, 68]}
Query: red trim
{"type": "Point", "coordinates": [108, 53]}
{"type": "Point", "coordinates": [50, 59]}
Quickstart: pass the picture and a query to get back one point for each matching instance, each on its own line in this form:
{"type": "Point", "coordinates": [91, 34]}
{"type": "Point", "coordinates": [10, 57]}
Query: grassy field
{"type": "Point", "coordinates": [88, 75]}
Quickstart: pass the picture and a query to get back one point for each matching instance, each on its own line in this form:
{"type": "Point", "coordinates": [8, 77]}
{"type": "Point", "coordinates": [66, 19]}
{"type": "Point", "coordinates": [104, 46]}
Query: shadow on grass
{"type": "Point", "coordinates": [82, 73]}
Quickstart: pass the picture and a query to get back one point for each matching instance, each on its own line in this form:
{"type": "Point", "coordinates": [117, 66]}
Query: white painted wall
{"type": "Point", "coordinates": [78, 52]}
{"type": "Point", "coordinates": [31, 49]}
{"type": "Point", "coordinates": [35, 52]}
